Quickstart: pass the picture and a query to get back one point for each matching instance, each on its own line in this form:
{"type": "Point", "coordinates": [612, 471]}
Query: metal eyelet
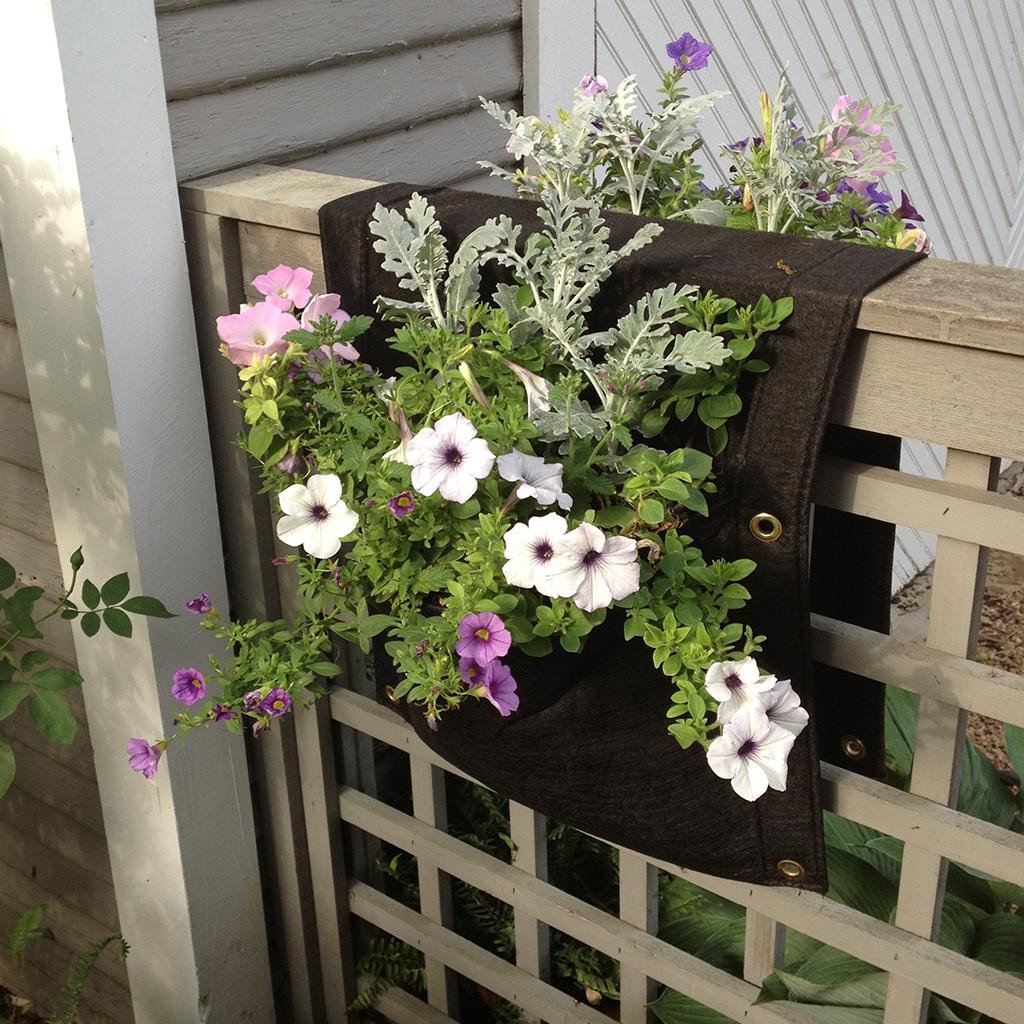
{"type": "Point", "coordinates": [389, 692]}
{"type": "Point", "coordinates": [791, 869]}
{"type": "Point", "coordinates": [765, 527]}
{"type": "Point", "coordinates": [853, 747]}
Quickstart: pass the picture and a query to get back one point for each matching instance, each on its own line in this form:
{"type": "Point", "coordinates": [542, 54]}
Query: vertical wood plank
{"type": "Point", "coordinates": [764, 943]}
{"type": "Point", "coordinates": [529, 832]}
{"type": "Point", "coordinates": [216, 274]}
{"type": "Point", "coordinates": [429, 805]}
{"type": "Point", "coordinates": [638, 906]}
{"type": "Point", "coordinates": [957, 590]}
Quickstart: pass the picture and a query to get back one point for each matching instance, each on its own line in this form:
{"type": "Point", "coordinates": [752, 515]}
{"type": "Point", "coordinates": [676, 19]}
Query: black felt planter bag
{"type": "Point", "coordinates": [588, 745]}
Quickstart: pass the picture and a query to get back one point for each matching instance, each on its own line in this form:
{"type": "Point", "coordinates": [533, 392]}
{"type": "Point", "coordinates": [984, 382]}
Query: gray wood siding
{"type": "Point", "coordinates": [955, 67]}
{"type": "Point", "coordinates": [352, 86]}
{"type": "Point", "coordinates": [53, 848]}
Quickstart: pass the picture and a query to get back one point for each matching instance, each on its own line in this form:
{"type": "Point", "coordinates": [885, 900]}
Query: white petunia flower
{"type": "Point", "coordinates": [751, 752]}
{"type": "Point", "coordinates": [537, 390]}
{"type": "Point", "coordinates": [530, 549]}
{"type": "Point", "coordinates": [734, 684]}
{"type": "Point", "coordinates": [782, 706]}
{"type": "Point", "coordinates": [593, 569]}
{"type": "Point", "coordinates": [536, 478]}
{"type": "Point", "coordinates": [400, 453]}
{"type": "Point", "coordinates": [449, 458]}
{"type": "Point", "coordinates": [315, 517]}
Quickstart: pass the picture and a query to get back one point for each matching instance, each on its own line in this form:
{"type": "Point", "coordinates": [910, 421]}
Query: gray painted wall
{"type": "Point", "coordinates": [355, 87]}
{"type": "Point", "coordinates": [955, 67]}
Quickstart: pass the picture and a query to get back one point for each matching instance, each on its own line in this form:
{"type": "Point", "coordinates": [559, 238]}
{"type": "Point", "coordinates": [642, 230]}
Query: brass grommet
{"type": "Point", "coordinates": [853, 747]}
{"type": "Point", "coordinates": [389, 692]}
{"type": "Point", "coordinates": [764, 526]}
{"type": "Point", "coordinates": [792, 869]}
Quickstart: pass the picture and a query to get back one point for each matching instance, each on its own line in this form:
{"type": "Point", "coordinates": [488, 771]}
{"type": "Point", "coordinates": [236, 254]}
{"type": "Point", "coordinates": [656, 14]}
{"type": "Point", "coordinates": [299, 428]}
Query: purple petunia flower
{"type": "Point", "coordinates": [472, 674]}
{"type": "Point", "coordinates": [689, 53]}
{"type": "Point", "coordinates": [877, 195]}
{"type": "Point", "coordinates": [222, 713]}
{"type": "Point", "coordinates": [906, 210]}
{"type": "Point", "coordinates": [199, 605]}
{"type": "Point", "coordinates": [251, 700]}
{"type": "Point", "coordinates": [483, 637]}
{"type": "Point", "coordinates": [499, 687]}
{"type": "Point", "coordinates": [276, 703]}
{"type": "Point", "coordinates": [402, 504]}
{"type": "Point", "coordinates": [189, 685]}
{"type": "Point", "coordinates": [143, 757]}
{"type": "Point", "coordinates": [291, 464]}
{"type": "Point", "coordinates": [738, 146]}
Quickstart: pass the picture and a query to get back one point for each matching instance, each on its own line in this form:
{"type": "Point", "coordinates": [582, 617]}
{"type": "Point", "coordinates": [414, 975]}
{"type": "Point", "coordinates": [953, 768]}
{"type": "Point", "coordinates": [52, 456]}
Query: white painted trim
{"type": "Point", "coordinates": [93, 242]}
{"type": "Point", "coordinates": [559, 40]}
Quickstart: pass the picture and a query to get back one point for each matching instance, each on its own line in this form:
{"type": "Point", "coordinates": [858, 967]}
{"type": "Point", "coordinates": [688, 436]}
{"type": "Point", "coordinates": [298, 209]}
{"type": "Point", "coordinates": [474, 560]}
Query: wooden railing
{"type": "Point", "coordinates": [938, 356]}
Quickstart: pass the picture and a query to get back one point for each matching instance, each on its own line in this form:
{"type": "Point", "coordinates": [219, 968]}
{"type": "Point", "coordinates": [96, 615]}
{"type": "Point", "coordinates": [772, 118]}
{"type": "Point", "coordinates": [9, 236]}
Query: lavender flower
{"type": "Point", "coordinates": [222, 712]}
{"type": "Point", "coordinates": [536, 478]}
{"type": "Point", "coordinates": [593, 85]}
{"type": "Point", "coordinates": [449, 458]}
{"type": "Point", "coordinates": [199, 605]}
{"type": "Point", "coordinates": [734, 684]}
{"type": "Point", "coordinates": [593, 569]}
{"type": "Point", "coordinates": [276, 703]}
{"type": "Point", "coordinates": [143, 757]}
{"type": "Point", "coordinates": [251, 700]}
{"type": "Point", "coordinates": [752, 753]}
{"type": "Point", "coordinates": [471, 673]}
{"type": "Point", "coordinates": [499, 687]}
{"type": "Point", "coordinates": [689, 53]}
{"type": "Point", "coordinates": [530, 549]}
{"type": "Point", "coordinates": [189, 686]}
{"type": "Point", "coordinates": [483, 637]}
{"type": "Point", "coordinates": [291, 464]}
{"type": "Point", "coordinates": [402, 504]}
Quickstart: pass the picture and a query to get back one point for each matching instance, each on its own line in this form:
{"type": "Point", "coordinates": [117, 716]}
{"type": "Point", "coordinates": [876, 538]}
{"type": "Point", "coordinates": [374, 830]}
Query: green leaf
{"type": "Point", "coordinates": [11, 695]}
{"type": "Point", "coordinates": [999, 943]}
{"type": "Point", "coordinates": [982, 795]}
{"type": "Point", "coordinates": [1014, 735]}
{"type": "Point", "coordinates": [614, 515]}
{"type": "Point", "coordinates": [715, 408]}
{"type": "Point", "coordinates": [19, 609]}
{"type": "Point", "coordinates": [867, 991]}
{"type": "Point", "coordinates": [829, 966]}
{"type": "Point", "coordinates": [672, 1008]}
{"type": "Point", "coordinates": [117, 622]}
{"type": "Point", "coordinates": [90, 623]}
{"type": "Point", "coordinates": [56, 678]}
{"type": "Point", "coordinates": [6, 765]}
{"type": "Point", "coordinates": [857, 884]}
{"type": "Point", "coordinates": [652, 511]}
{"type": "Point", "coordinates": [260, 437]}
{"type": "Point", "coordinates": [115, 590]}
{"type": "Point", "coordinates": [90, 594]}
{"type": "Point", "coordinates": [29, 926]}
{"type": "Point", "coordinates": [325, 668]}
{"type": "Point", "coordinates": [673, 489]}
{"type": "Point", "coordinates": [150, 606]}
{"type": "Point", "coordinates": [52, 716]}
{"type": "Point", "coordinates": [32, 660]}
{"type": "Point", "coordinates": [7, 574]}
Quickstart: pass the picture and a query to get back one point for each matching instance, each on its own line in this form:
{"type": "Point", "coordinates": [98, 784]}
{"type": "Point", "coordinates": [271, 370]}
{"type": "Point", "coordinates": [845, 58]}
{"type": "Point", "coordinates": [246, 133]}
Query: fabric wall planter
{"type": "Point", "coordinates": [588, 745]}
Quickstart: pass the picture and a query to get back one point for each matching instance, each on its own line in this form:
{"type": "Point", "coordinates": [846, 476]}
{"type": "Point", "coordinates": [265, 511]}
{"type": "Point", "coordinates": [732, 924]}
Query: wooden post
{"type": "Point", "coordinates": [559, 42]}
{"type": "Point", "coordinates": [93, 242]}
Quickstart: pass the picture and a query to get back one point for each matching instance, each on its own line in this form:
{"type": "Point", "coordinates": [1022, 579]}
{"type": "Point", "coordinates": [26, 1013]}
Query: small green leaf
{"type": "Point", "coordinates": [652, 511]}
{"type": "Point", "coordinates": [615, 515]}
{"type": "Point", "coordinates": [150, 606]}
{"type": "Point", "coordinates": [259, 439]}
{"type": "Point", "coordinates": [7, 574]}
{"type": "Point", "coordinates": [19, 609]}
{"type": "Point", "coordinates": [117, 622]}
{"type": "Point", "coordinates": [90, 594]}
{"type": "Point", "coordinates": [52, 716]}
{"type": "Point", "coordinates": [11, 695]}
{"type": "Point", "coordinates": [270, 409]}
{"type": "Point", "coordinates": [56, 678]}
{"type": "Point", "coordinates": [90, 623]}
{"type": "Point", "coordinates": [33, 660]}
{"type": "Point", "coordinates": [115, 590]}
{"type": "Point", "coordinates": [325, 668]}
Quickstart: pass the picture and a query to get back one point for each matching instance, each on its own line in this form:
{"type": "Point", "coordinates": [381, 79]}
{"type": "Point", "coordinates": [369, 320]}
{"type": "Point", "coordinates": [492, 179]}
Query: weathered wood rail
{"type": "Point", "coordinates": [939, 356]}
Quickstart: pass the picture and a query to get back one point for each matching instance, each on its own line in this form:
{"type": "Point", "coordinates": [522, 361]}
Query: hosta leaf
{"type": "Point", "coordinates": [6, 765]}
{"type": "Point", "coordinates": [856, 884]}
{"type": "Point", "coordinates": [672, 1008]}
{"type": "Point", "coordinates": [999, 942]}
{"type": "Point", "coordinates": [867, 991]}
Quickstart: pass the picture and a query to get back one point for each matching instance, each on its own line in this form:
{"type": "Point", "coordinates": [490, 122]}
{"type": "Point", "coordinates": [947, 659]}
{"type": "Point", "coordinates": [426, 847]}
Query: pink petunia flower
{"type": "Point", "coordinates": [499, 688]}
{"type": "Point", "coordinates": [276, 703]}
{"type": "Point", "coordinates": [285, 286]}
{"type": "Point", "coordinates": [255, 333]}
{"type": "Point", "coordinates": [189, 686]}
{"type": "Point", "coordinates": [320, 306]}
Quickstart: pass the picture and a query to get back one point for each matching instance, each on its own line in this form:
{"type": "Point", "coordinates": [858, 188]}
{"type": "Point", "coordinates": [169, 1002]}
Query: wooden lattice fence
{"type": "Point", "coordinates": [939, 356]}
